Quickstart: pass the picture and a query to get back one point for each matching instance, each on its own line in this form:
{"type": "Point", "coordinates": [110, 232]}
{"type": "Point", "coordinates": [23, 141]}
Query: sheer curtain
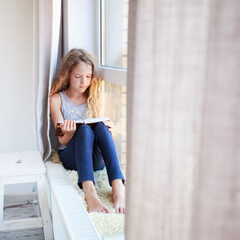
{"type": "Point", "coordinates": [183, 120]}
{"type": "Point", "coordinates": [47, 52]}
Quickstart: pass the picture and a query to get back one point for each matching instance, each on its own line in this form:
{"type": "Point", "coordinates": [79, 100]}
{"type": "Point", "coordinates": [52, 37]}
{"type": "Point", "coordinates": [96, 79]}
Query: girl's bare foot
{"type": "Point", "coordinates": [118, 190]}
{"type": "Point", "coordinates": [94, 204]}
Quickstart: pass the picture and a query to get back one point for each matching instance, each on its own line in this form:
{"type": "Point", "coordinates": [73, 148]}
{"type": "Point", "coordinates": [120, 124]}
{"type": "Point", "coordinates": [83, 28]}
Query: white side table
{"type": "Point", "coordinates": [25, 167]}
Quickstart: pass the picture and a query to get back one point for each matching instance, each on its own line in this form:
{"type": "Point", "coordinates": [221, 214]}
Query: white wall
{"type": "Point", "coordinates": [16, 71]}
{"type": "Point", "coordinates": [80, 25]}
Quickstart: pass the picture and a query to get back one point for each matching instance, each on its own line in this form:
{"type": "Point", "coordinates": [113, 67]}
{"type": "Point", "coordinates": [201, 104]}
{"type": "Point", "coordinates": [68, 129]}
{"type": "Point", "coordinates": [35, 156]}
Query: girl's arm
{"type": "Point", "coordinates": [68, 126]}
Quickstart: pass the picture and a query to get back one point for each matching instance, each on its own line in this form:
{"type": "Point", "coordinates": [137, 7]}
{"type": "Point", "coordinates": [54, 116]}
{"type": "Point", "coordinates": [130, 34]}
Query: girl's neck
{"type": "Point", "coordinates": [76, 97]}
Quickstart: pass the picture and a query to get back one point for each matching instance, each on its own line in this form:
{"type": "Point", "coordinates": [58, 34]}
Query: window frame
{"type": "Point", "coordinates": [109, 74]}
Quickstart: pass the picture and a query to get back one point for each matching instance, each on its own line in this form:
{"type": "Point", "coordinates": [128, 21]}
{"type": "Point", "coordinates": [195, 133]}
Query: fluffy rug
{"type": "Point", "coordinates": [107, 225]}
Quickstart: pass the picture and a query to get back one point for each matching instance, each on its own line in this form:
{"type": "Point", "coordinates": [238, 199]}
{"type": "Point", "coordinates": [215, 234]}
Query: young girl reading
{"type": "Point", "coordinates": [75, 94]}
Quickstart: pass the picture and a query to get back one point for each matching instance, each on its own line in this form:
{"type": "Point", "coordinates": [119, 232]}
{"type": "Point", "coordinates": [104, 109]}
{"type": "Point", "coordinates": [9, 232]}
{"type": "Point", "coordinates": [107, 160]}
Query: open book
{"type": "Point", "coordinates": [89, 121]}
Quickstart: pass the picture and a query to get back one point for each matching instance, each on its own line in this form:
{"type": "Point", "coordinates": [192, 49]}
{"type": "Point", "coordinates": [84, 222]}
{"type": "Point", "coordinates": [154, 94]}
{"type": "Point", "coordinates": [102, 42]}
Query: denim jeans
{"type": "Point", "coordinates": [91, 149]}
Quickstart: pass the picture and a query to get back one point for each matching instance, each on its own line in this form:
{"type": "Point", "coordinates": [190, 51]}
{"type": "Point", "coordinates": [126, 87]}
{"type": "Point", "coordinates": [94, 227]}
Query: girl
{"type": "Point", "coordinates": [75, 94]}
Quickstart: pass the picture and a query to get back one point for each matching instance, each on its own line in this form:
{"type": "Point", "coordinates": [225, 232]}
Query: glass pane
{"type": "Point", "coordinates": [115, 107]}
{"type": "Point", "coordinates": [114, 33]}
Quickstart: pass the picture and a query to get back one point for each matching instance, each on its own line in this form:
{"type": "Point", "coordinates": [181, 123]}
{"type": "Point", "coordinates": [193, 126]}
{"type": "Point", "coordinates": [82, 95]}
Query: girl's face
{"type": "Point", "coordinates": [80, 77]}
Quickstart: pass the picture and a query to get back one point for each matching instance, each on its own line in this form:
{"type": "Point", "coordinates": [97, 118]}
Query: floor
{"type": "Point", "coordinates": [31, 234]}
{"type": "Point", "coordinates": [21, 207]}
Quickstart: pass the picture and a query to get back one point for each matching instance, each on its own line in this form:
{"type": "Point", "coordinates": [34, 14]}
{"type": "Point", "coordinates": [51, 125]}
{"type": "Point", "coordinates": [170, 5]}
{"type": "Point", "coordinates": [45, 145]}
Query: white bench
{"type": "Point", "coordinates": [25, 167]}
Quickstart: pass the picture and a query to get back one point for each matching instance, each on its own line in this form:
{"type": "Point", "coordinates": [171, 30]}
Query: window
{"type": "Point", "coordinates": [115, 107]}
{"type": "Point", "coordinates": [114, 32]}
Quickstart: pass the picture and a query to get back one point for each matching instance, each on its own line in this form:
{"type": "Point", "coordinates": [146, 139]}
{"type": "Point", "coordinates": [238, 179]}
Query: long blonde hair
{"type": "Point", "coordinates": [61, 81]}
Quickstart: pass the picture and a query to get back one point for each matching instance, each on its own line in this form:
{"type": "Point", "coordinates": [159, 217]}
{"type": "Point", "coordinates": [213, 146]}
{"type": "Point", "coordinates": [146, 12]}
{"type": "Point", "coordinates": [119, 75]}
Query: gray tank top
{"type": "Point", "coordinates": [71, 111]}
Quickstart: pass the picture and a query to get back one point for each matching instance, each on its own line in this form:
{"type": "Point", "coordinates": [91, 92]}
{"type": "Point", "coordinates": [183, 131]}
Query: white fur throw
{"type": "Point", "coordinates": [107, 225]}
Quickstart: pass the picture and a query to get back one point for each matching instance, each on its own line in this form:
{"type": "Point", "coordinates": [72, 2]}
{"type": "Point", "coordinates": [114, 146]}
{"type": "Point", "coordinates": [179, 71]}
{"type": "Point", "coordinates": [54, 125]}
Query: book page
{"type": "Point", "coordinates": [89, 120]}
{"type": "Point", "coordinates": [95, 120]}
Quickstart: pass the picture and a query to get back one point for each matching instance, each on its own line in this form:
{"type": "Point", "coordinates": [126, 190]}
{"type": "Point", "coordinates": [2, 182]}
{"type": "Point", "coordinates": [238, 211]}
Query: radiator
{"type": "Point", "coordinates": [70, 218]}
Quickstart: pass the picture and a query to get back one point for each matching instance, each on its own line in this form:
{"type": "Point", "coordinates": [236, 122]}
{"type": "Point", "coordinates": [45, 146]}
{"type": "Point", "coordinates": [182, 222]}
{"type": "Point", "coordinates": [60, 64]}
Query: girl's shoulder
{"type": "Point", "coordinates": [55, 100]}
{"type": "Point", "coordinates": [55, 96]}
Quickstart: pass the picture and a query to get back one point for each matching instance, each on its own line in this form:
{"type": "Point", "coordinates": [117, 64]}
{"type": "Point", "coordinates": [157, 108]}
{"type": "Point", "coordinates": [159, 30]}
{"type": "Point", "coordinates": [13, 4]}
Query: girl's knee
{"type": "Point", "coordinates": [85, 126]}
{"type": "Point", "coordinates": [101, 126]}
{"type": "Point", "coordinates": [84, 129]}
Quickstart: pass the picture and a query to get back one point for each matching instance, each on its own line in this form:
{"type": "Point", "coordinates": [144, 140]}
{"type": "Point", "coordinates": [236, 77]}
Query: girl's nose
{"type": "Point", "coordinates": [82, 80]}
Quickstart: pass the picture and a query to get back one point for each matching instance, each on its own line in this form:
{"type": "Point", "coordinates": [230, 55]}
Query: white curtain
{"type": "Point", "coordinates": [183, 120]}
{"type": "Point", "coordinates": [47, 50]}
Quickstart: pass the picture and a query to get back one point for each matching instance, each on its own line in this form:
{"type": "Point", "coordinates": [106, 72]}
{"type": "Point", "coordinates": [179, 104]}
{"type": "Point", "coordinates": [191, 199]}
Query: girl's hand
{"type": "Point", "coordinates": [68, 127]}
{"type": "Point", "coordinates": [109, 124]}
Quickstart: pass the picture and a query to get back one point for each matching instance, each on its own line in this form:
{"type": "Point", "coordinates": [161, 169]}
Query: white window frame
{"type": "Point", "coordinates": [109, 74]}
{"type": "Point", "coordinates": [79, 11]}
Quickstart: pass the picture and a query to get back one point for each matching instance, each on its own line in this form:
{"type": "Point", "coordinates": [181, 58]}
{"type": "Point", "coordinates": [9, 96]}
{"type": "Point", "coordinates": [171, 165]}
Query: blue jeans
{"type": "Point", "coordinates": [89, 150]}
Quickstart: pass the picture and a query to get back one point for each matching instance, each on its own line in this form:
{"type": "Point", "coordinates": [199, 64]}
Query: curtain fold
{"type": "Point", "coordinates": [183, 120]}
{"type": "Point", "coordinates": [46, 55]}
